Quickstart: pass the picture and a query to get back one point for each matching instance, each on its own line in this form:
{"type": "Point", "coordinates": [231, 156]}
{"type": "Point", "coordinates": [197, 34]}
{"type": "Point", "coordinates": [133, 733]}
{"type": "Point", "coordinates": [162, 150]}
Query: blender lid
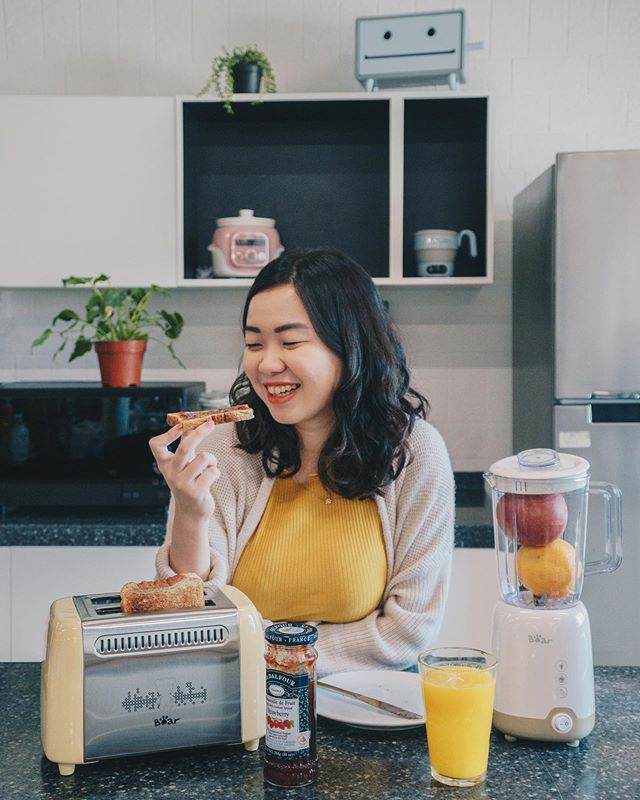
{"type": "Point", "coordinates": [246, 218]}
{"type": "Point", "coordinates": [540, 464]}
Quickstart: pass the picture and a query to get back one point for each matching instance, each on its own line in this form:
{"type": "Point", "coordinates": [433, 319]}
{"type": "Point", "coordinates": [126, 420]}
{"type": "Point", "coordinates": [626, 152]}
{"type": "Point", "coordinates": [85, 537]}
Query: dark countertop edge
{"type": "Point", "coordinates": [106, 534]}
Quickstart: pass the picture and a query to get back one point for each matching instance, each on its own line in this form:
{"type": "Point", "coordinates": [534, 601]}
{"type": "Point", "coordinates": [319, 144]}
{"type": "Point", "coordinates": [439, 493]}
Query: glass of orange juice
{"type": "Point", "coordinates": [457, 689]}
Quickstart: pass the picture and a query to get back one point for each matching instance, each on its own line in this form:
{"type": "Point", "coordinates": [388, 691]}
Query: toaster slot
{"type": "Point", "coordinates": [111, 605]}
{"type": "Point", "coordinates": [105, 599]}
{"type": "Point", "coordinates": [104, 604]}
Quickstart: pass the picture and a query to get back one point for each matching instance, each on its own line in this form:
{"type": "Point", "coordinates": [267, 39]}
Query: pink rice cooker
{"type": "Point", "coordinates": [243, 245]}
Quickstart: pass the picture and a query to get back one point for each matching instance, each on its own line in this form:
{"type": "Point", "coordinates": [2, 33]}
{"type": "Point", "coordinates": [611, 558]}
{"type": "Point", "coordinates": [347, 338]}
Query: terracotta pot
{"type": "Point", "coordinates": [121, 362]}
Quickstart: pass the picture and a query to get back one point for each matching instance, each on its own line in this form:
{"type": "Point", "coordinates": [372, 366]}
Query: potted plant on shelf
{"type": "Point", "coordinates": [115, 321]}
{"type": "Point", "coordinates": [245, 69]}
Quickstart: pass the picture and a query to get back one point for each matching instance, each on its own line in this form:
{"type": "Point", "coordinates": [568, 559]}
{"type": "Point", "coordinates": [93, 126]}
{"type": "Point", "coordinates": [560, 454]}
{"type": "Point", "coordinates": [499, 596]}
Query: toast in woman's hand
{"type": "Point", "coordinates": [193, 419]}
{"type": "Point", "coordinates": [179, 591]}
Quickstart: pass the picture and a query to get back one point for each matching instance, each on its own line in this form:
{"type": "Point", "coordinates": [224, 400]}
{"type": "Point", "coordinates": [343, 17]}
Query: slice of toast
{"type": "Point", "coordinates": [179, 591]}
{"type": "Point", "coordinates": [189, 420]}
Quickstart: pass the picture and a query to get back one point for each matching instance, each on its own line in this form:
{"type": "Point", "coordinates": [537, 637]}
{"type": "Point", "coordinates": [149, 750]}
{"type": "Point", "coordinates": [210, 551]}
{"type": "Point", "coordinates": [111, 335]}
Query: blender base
{"type": "Point", "coordinates": [543, 729]}
{"type": "Point", "coordinates": [544, 687]}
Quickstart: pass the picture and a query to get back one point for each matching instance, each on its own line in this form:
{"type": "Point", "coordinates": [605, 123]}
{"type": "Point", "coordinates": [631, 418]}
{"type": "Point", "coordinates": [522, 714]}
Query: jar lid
{"type": "Point", "coordinates": [246, 218]}
{"type": "Point", "coordinates": [540, 464]}
{"type": "Point", "coordinates": [291, 634]}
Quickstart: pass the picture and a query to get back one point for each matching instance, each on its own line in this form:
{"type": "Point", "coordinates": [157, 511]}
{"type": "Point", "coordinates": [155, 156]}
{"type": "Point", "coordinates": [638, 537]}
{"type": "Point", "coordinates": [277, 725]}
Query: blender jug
{"type": "Point", "coordinates": [540, 502]}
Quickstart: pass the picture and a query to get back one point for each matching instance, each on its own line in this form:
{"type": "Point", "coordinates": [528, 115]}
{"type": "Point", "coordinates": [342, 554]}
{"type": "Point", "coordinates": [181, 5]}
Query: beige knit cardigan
{"type": "Point", "coordinates": [417, 514]}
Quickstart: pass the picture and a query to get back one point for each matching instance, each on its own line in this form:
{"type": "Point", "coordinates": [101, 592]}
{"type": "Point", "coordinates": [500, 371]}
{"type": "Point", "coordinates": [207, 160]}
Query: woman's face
{"type": "Point", "coordinates": [292, 371]}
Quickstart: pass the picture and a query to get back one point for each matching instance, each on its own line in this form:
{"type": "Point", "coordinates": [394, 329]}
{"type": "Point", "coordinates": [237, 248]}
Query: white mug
{"type": "Point", "coordinates": [436, 250]}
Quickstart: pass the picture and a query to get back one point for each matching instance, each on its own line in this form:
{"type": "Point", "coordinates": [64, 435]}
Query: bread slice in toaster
{"type": "Point", "coordinates": [184, 590]}
{"type": "Point", "coordinates": [193, 419]}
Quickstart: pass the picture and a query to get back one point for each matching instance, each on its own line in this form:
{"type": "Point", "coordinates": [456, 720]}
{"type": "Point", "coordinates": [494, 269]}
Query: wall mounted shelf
{"type": "Point", "coordinates": [356, 171]}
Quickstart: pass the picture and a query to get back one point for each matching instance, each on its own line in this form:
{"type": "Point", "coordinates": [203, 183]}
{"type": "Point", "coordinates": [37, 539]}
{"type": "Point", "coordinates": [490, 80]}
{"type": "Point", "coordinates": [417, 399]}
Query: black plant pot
{"type": "Point", "coordinates": [246, 78]}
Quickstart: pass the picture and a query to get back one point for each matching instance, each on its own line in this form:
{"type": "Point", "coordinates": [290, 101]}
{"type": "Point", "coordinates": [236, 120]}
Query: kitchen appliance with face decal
{"type": "Point", "coordinates": [541, 634]}
{"type": "Point", "coordinates": [116, 684]}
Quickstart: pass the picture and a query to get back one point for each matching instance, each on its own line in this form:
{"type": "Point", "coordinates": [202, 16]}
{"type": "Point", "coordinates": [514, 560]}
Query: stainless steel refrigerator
{"type": "Point", "coordinates": [576, 354]}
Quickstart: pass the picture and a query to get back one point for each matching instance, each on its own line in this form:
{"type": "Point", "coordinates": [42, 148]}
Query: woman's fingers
{"type": "Point", "coordinates": [196, 467]}
{"type": "Point", "coordinates": [208, 477]}
{"type": "Point", "coordinates": [160, 444]}
{"type": "Point", "coordinates": [187, 447]}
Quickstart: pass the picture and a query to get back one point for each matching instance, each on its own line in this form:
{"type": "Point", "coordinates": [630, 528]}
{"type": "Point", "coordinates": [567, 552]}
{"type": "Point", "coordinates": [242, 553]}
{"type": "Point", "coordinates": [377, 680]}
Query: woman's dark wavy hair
{"type": "Point", "coordinates": [375, 408]}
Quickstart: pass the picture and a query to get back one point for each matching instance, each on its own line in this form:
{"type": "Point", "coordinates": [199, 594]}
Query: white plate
{"type": "Point", "coordinates": [400, 688]}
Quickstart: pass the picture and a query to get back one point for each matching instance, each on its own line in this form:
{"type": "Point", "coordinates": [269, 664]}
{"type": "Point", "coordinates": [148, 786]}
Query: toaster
{"type": "Point", "coordinates": [115, 684]}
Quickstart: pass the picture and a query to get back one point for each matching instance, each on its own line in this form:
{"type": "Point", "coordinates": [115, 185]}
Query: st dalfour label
{"type": "Point", "coordinates": [288, 728]}
{"type": "Point", "coordinates": [574, 439]}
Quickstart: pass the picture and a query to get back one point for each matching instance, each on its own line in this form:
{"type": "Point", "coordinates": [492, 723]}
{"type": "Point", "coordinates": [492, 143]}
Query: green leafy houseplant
{"type": "Point", "coordinates": [112, 315]}
{"type": "Point", "coordinates": [222, 73]}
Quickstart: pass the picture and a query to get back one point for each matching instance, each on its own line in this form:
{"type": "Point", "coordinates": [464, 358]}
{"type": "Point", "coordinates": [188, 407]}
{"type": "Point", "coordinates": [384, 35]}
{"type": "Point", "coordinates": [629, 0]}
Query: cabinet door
{"type": "Point", "coordinates": [87, 185]}
{"type": "Point", "coordinates": [5, 604]}
{"type": "Point", "coordinates": [39, 575]}
{"type": "Point", "coordinates": [472, 596]}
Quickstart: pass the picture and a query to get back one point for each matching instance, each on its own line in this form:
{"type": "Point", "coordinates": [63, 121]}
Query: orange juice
{"type": "Point", "coordinates": [459, 706]}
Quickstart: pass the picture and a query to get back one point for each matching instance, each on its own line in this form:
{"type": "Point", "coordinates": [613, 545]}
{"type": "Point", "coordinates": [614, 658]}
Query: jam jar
{"type": "Point", "coordinates": [291, 757]}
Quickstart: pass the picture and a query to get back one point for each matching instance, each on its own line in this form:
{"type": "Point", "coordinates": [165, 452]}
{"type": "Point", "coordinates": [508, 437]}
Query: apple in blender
{"type": "Point", "coordinates": [533, 519]}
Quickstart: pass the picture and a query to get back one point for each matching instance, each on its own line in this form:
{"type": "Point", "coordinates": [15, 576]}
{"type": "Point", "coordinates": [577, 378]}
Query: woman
{"type": "Point", "coordinates": [335, 504]}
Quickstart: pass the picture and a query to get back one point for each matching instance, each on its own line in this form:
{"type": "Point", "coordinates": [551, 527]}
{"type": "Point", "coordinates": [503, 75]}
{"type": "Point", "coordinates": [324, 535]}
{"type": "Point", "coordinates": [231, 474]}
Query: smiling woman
{"type": "Point", "coordinates": [334, 504]}
{"type": "Point", "coordinates": [289, 366]}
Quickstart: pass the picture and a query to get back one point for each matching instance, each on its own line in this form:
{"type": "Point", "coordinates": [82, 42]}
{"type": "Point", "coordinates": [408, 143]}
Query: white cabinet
{"type": "Point", "coordinates": [39, 575]}
{"type": "Point", "coordinates": [87, 185]}
{"type": "Point", "coordinates": [5, 604]}
{"type": "Point", "coordinates": [472, 595]}
{"type": "Point", "coordinates": [120, 185]}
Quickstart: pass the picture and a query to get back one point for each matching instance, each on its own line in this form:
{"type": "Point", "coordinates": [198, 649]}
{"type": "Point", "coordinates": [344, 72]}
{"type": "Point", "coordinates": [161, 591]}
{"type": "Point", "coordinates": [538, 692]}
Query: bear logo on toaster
{"type": "Point", "coordinates": [164, 720]}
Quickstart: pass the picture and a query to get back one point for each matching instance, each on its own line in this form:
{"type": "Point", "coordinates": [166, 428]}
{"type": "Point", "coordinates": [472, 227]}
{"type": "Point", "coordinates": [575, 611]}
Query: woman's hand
{"type": "Point", "coordinates": [189, 476]}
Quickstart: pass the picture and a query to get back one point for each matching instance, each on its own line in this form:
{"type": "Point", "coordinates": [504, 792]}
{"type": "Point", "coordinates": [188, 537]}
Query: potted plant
{"type": "Point", "coordinates": [245, 69]}
{"type": "Point", "coordinates": [114, 322]}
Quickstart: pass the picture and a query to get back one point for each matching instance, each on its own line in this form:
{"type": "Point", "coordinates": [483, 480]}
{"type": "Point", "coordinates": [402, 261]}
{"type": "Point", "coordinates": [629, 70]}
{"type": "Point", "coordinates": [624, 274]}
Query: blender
{"type": "Point", "coordinates": [541, 635]}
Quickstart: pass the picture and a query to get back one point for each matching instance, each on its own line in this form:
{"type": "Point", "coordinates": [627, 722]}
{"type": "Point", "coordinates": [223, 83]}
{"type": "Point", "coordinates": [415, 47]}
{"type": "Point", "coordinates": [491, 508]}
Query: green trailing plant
{"type": "Point", "coordinates": [112, 315]}
{"type": "Point", "coordinates": [221, 77]}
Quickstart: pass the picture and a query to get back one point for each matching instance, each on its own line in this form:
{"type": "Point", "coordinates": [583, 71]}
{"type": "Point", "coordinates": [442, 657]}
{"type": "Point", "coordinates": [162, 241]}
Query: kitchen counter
{"type": "Point", "coordinates": [144, 530]}
{"type": "Point", "coordinates": [118, 527]}
{"type": "Point", "coordinates": [354, 764]}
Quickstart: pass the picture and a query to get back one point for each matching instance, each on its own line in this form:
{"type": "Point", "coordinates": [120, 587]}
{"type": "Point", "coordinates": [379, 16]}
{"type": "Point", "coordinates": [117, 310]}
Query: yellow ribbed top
{"type": "Point", "coordinates": [313, 560]}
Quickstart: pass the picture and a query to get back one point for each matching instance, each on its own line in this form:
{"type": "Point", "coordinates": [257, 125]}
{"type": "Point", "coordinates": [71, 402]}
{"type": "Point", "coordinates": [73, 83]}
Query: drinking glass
{"type": "Point", "coordinates": [457, 688]}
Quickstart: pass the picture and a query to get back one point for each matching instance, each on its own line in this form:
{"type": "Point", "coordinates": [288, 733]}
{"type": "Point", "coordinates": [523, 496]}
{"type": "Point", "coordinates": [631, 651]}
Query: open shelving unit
{"type": "Point", "coordinates": [355, 171]}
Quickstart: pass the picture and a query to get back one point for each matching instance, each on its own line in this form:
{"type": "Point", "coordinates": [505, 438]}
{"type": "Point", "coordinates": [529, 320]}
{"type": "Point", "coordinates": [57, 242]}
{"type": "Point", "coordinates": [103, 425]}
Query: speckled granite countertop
{"type": "Point", "coordinates": [354, 764]}
{"type": "Point", "coordinates": [105, 532]}
{"type": "Point", "coordinates": [117, 527]}
{"type": "Point", "coordinates": [52, 527]}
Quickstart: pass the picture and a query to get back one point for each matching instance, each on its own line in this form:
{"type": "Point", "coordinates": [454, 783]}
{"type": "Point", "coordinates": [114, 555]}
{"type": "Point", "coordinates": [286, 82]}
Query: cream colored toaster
{"type": "Point", "coordinates": [115, 684]}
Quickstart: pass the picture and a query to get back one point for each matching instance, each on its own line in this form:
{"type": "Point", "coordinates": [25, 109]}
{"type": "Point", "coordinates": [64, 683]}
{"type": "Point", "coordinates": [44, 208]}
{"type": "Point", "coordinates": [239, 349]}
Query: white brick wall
{"type": "Point", "coordinates": [562, 75]}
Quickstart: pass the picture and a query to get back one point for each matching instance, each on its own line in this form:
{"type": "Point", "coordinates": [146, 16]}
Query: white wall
{"type": "Point", "coordinates": [562, 75]}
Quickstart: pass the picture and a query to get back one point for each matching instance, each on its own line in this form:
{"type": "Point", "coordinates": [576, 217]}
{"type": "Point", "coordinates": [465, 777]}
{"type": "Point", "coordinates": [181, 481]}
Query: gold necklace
{"type": "Point", "coordinates": [327, 498]}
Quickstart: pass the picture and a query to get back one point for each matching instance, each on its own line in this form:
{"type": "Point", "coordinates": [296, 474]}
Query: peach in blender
{"type": "Point", "coordinates": [548, 570]}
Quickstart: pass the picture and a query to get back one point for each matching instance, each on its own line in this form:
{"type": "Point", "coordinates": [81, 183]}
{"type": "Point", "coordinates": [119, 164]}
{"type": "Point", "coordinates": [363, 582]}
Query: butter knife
{"type": "Point", "coordinates": [381, 704]}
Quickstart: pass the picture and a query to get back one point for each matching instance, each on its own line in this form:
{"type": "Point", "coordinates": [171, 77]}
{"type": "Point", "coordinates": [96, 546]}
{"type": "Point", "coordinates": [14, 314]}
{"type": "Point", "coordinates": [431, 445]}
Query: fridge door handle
{"type": "Point", "coordinates": [613, 515]}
